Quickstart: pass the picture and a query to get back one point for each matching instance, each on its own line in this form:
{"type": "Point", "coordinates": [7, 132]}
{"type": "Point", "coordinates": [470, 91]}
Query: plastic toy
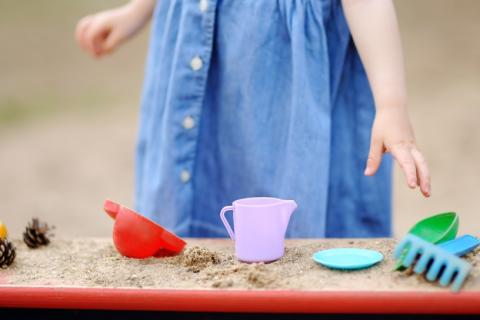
{"type": "Point", "coordinates": [435, 229]}
{"type": "Point", "coordinates": [135, 236]}
{"type": "Point", "coordinates": [260, 226]}
{"type": "Point", "coordinates": [462, 245]}
{"type": "Point", "coordinates": [347, 258]}
{"type": "Point", "coordinates": [3, 230]}
{"type": "Point", "coordinates": [439, 263]}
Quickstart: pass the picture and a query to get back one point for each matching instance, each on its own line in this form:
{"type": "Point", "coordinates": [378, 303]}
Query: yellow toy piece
{"type": "Point", "coordinates": [3, 230]}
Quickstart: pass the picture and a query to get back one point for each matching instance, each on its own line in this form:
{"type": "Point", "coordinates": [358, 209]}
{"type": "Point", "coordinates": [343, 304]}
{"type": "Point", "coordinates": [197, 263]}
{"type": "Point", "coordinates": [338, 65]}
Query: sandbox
{"type": "Point", "coordinates": [89, 273]}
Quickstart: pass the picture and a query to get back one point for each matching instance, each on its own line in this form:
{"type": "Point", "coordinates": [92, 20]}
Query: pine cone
{"type": "Point", "coordinates": [7, 253]}
{"type": "Point", "coordinates": [36, 234]}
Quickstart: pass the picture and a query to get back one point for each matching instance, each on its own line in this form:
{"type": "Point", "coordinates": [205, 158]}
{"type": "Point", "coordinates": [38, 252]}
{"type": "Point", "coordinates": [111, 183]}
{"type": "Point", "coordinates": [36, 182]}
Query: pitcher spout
{"type": "Point", "coordinates": [289, 208]}
{"type": "Point", "coordinates": [291, 205]}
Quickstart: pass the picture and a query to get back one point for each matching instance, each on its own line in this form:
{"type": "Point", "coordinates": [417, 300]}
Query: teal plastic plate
{"type": "Point", "coordinates": [347, 258]}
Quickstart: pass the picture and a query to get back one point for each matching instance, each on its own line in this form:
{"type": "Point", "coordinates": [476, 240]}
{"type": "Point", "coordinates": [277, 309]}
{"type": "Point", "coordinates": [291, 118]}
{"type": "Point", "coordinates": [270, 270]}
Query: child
{"type": "Point", "coordinates": [250, 98]}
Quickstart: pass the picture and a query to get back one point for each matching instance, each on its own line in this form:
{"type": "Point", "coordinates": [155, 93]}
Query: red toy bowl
{"type": "Point", "coordinates": [135, 236]}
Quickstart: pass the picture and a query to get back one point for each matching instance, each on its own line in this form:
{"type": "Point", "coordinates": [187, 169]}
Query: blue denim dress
{"type": "Point", "coordinates": [248, 98]}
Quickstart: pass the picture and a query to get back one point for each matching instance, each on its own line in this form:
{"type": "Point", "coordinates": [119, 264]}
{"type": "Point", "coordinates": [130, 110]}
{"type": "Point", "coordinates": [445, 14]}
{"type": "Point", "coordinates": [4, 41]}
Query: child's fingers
{"type": "Point", "coordinates": [95, 36]}
{"type": "Point", "coordinates": [422, 172]}
{"type": "Point", "coordinates": [112, 41]}
{"type": "Point", "coordinates": [89, 36]}
{"type": "Point", "coordinates": [374, 157]}
{"type": "Point", "coordinates": [80, 31]}
{"type": "Point", "coordinates": [405, 160]}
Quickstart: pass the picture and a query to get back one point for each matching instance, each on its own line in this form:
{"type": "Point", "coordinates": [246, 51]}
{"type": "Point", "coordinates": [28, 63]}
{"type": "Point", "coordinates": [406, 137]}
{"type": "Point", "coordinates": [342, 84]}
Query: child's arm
{"type": "Point", "coordinates": [374, 28]}
{"type": "Point", "coordinates": [103, 32]}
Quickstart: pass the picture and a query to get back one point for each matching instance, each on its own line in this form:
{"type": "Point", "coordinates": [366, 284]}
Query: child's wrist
{"type": "Point", "coordinates": [391, 102]}
{"type": "Point", "coordinates": [141, 9]}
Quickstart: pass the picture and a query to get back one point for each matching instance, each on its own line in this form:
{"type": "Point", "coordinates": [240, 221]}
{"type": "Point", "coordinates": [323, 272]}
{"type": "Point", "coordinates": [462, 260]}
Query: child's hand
{"type": "Point", "coordinates": [393, 133]}
{"type": "Point", "coordinates": [103, 32]}
{"type": "Point", "coordinates": [374, 28]}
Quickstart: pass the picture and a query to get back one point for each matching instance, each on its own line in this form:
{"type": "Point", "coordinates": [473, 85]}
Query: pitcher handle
{"type": "Point", "coordinates": [225, 222]}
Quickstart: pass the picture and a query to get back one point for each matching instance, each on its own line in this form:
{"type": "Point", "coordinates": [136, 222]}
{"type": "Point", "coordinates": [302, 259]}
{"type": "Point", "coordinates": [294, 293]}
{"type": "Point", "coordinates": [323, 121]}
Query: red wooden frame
{"type": "Point", "coordinates": [373, 302]}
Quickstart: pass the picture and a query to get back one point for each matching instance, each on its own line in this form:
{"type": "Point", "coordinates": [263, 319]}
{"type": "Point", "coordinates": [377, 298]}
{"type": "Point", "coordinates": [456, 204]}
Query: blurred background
{"type": "Point", "coordinates": [68, 123]}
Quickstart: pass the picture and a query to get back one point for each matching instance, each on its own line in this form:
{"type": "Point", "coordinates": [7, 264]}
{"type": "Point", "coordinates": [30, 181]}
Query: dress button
{"type": "Point", "coordinates": [196, 63]}
{"type": "Point", "coordinates": [203, 5]}
{"type": "Point", "coordinates": [185, 176]}
{"type": "Point", "coordinates": [188, 123]}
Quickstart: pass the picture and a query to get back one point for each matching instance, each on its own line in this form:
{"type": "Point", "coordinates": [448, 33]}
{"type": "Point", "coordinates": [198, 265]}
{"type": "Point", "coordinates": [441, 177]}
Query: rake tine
{"type": "Point", "coordinates": [411, 255]}
{"type": "Point", "coordinates": [433, 271]}
{"type": "Point", "coordinates": [446, 277]}
{"type": "Point", "coordinates": [461, 276]}
{"type": "Point", "coordinates": [422, 263]}
{"type": "Point", "coordinates": [401, 247]}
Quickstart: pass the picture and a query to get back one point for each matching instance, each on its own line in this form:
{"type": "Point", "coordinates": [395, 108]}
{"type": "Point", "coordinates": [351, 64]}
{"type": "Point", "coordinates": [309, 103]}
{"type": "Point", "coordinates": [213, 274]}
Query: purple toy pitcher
{"type": "Point", "coordinates": [260, 226]}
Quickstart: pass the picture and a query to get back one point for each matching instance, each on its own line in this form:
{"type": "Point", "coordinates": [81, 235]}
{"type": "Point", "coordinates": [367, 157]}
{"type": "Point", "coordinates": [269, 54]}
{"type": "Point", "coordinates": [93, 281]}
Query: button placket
{"type": "Point", "coordinates": [197, 65]}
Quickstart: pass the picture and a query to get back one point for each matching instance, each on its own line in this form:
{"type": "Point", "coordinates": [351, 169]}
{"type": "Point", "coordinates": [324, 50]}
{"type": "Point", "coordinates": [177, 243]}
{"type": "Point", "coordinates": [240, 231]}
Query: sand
{"type": "Point", "coordinates": [209, 264]}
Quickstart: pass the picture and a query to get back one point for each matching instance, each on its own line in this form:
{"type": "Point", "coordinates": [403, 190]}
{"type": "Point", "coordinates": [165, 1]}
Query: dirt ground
{"type": "Point", "coordinates": [68, 123]}
{"type": "Point", "coordinates": [210, 264]}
